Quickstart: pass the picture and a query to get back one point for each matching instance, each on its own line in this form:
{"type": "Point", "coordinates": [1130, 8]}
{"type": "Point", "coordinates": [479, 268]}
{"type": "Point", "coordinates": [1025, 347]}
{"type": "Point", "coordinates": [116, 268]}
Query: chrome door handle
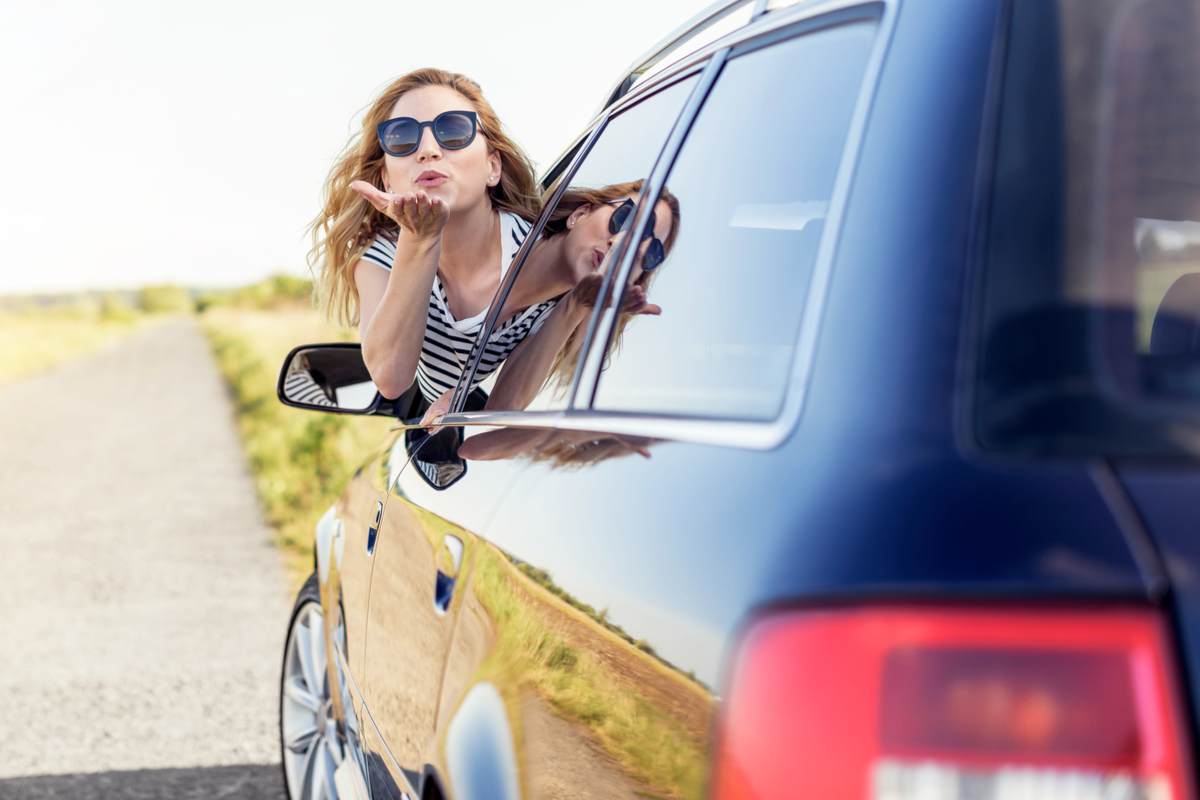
{"type": "Point", "coordinates": [443, 587]}
{"type": "Point", "coordinates": [373, 531]}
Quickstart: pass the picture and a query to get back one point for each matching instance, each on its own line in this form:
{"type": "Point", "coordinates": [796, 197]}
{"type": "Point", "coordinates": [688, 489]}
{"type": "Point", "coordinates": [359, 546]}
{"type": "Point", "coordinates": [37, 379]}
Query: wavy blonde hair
{"type": "Point", "coordinates": [563, 370]}
{"type": "Point", "coordinates": [347, 223]}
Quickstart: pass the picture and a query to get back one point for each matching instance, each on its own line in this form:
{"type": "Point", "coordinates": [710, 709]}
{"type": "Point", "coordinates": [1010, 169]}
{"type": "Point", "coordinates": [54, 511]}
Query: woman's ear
{"type": "Point", "coordinates": [495, 168]}
{"type": "Point", "coordinates": [578, 214]}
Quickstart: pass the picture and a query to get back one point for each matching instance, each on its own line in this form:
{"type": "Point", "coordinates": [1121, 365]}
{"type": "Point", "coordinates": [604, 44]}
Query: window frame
{"type": "Point", "coordinates": [765, 30]}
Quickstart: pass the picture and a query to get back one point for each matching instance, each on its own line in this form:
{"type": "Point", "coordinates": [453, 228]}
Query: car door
{"type": "Point", "coordinates": [647, 519]}
{"type": "Point", "coordinates": [428, 551]}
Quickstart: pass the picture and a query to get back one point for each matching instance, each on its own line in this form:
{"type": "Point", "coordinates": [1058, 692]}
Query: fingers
{"type": "Point", "coordinates": [635, 303]}
{"type": "Point", "coordinates": [373, 195]}
{"type": "Point", "coordinates": [438, 410]}
{"type": "Point", "coordinates": [414, 210]}
{"type": "Point", "coordinates": [420, 213]}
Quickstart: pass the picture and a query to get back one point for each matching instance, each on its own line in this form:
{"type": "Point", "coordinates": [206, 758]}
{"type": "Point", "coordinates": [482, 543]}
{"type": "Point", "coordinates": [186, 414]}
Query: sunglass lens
{"type": "Point", "coordinates": [453, 130]}
{"type": "Point", "coordinates": [400, 137]}
{"type": "Point", "coordinates": [654, 255]}
{"type": "Point", "coordinates": [621, 217]}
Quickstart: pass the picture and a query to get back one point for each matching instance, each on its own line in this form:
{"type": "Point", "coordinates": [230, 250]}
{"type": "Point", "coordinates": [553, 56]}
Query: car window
{"type": "Point", "coordinates": [752, 185]}
{"type": "Point", "coordinates": [1088, 322]}
{"type": "Point", "coordinates": [537, 375]}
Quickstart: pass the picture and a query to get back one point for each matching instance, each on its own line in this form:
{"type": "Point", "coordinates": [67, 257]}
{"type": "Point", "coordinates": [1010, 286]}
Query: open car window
{"type": "Point", "coordinates": [537, 375]}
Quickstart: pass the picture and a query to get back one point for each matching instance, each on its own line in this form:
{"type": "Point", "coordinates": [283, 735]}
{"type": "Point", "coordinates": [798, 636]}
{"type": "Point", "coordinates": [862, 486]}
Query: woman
{"type": "Point", "coordinates": [423, 213]}
{"type": "Point", "coordinates": [420, 226]}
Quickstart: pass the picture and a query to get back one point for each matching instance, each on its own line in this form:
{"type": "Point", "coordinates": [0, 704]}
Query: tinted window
{"type": "Point", "coordinates": [1090, 315]}
{"type": "Point", "coordinates": [538, 374]}
{"type": "Point", "coordinates": [753, 182]}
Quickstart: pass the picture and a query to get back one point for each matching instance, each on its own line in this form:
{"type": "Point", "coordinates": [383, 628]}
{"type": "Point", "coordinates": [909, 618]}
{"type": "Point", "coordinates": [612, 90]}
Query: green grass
{"type": "Point", "coordinates": [530, 654]}
{"type": "Point", "coordinates": [543, 579]}
{"type": "Point", "coordinates": [301, 460]}
{"type": "Point", "coordinates": [39, 339]}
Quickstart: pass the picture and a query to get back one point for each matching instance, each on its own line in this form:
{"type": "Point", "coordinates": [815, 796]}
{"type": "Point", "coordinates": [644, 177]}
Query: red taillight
{"type": "Point", "coordinates": [894, 703]}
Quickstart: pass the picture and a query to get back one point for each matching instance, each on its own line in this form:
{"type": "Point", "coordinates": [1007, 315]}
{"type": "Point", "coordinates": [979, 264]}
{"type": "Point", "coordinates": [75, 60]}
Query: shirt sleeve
{"type": "Point", "coordinates": [381, 252]}
{"type": "Point", "coordinates": [541, 318]}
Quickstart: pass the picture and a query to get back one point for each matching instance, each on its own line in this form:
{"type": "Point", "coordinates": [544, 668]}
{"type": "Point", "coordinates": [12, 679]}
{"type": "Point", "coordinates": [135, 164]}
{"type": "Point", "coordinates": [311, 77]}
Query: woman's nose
{"type": "Point", "coordinates": [428, 148]}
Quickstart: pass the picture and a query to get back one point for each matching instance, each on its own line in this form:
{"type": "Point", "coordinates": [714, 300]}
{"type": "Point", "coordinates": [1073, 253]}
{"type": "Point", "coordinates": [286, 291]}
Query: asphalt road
{"type": "Point", "coordinates": [142, 608]}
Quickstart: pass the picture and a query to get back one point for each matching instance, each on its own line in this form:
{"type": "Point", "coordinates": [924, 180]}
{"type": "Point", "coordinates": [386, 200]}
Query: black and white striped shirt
{"type": "Point", "coordinates": [447, 343]}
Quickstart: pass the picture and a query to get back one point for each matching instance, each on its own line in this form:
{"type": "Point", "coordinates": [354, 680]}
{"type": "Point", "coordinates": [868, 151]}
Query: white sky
{"type": "Point", "coordinates": [153, 142]}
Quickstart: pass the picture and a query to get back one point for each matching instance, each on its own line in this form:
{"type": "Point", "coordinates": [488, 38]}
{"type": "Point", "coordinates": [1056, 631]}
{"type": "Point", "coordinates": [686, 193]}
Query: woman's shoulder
{"type": "Point", "coordinates": [381, 250]}
{"type": "Point", "coordinates": [516, 223]}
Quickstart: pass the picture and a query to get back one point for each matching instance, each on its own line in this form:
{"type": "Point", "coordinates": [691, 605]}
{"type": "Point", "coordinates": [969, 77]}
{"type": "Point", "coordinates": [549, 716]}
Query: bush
{"type": "Point", "coordinates": [165, 299]}
{"type": "Point", "coordinates": [273, 293]}
{"type": "Point", "coordinates": [116, 308]}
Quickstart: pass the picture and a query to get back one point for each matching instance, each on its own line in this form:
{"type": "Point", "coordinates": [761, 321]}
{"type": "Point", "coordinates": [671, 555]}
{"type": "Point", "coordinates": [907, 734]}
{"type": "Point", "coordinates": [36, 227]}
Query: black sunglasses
{"type": "Point", "coordinates": [622, 218]}
{"type": "Point", "coordinates": [453, 130]}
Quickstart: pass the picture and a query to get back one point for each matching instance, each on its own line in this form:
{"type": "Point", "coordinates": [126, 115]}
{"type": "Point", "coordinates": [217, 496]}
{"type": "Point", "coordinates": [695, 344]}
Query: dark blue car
{"type": "Point", "coordinates": [897, 498]}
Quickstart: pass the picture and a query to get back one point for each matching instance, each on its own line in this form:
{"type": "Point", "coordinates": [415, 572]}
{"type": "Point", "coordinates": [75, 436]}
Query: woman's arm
{"type": "Point", "coordinates": [527, 367]}
{"type": "Point", "coordinates": [393, 306]}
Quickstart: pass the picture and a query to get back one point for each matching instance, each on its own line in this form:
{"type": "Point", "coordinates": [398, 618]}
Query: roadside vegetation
{"type": "Point", "coordinates": [630, 701]}
{"type": "Point", "coordinates": [44, 332]}
{"type": "Point", "coordinates": [300, 460]}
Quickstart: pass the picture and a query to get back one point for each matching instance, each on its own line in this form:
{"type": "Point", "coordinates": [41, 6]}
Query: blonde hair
{"type": "Point", "coordinates": [563, 370]}
{"type": "Point", "coordinates": [348, 223]}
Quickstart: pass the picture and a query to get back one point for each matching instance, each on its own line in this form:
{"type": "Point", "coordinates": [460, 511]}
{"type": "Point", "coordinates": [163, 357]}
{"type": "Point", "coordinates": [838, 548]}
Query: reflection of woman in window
{"type": "Point", "coordinates": [423, 213]}
{"type": "Point", "coordinates": [561, 448]}
{"type": "Point", "coordinates": [579, 235]}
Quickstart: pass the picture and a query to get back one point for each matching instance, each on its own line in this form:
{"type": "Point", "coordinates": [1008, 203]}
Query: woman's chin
{"type": "Point", "coordinates": [583, 268]}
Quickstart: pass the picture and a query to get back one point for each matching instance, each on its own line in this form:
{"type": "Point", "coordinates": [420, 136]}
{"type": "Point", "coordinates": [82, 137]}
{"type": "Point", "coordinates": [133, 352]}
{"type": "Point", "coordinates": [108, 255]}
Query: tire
{"type": "Point", "coordinates": [308, 742]}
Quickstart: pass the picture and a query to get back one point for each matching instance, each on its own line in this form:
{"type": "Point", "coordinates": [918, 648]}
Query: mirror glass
{"type": "Point", "coordinates": [328, 377]}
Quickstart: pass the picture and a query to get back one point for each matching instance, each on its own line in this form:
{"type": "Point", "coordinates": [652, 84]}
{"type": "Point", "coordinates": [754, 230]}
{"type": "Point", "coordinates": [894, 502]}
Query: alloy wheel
{"type": "Point", "coordinates": [311, 748]}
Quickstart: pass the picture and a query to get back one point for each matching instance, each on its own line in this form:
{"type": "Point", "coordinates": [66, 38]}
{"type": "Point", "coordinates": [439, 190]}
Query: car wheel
{"type": "Point", "coordinates": [309, 744]}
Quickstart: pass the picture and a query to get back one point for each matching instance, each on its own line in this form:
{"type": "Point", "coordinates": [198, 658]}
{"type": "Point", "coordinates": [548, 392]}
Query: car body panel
{"type": "Point", "coordinates": [1165, 503]}
{"type": "Point", "coordinates": [411, 634]}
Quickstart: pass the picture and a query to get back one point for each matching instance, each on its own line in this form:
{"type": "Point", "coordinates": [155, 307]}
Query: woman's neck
{"type": "Point", "coordinates": [469, 240]}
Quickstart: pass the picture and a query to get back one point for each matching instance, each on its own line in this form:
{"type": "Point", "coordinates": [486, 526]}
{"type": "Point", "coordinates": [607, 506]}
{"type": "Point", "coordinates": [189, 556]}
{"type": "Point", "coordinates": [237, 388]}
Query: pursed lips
{"type": "Point", "coordinates": [431, 178]}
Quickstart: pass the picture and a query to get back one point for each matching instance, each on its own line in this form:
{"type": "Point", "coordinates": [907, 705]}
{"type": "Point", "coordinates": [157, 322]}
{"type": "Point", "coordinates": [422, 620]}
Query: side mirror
{"type": "Point", "coordinates": [331, 377]}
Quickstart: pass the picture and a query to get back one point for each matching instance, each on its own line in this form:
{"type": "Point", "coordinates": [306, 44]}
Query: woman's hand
{"type": "Point", "coordinates": [437, 410]}
{"type": "Point", "coordinates": [416, 212]}
{"type": "Point", "coordinates": [583, 297]}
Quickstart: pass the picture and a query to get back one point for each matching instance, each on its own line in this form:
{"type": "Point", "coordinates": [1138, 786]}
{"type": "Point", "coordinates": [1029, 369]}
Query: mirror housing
{"type": "Point", "coordinates": [333, 377]}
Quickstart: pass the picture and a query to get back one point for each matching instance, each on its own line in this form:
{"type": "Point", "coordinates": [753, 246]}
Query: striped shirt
{"type": "Point", "coordinates": [447, 342]}
{"type": "Point", "coordinates": [300, 387]}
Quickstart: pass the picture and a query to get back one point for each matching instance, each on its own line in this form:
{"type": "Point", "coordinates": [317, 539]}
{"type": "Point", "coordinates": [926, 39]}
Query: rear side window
{"type": "Point", "coordinates": [753, 185]}
{"type": "Point", "coordinates": [1089, 316]}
